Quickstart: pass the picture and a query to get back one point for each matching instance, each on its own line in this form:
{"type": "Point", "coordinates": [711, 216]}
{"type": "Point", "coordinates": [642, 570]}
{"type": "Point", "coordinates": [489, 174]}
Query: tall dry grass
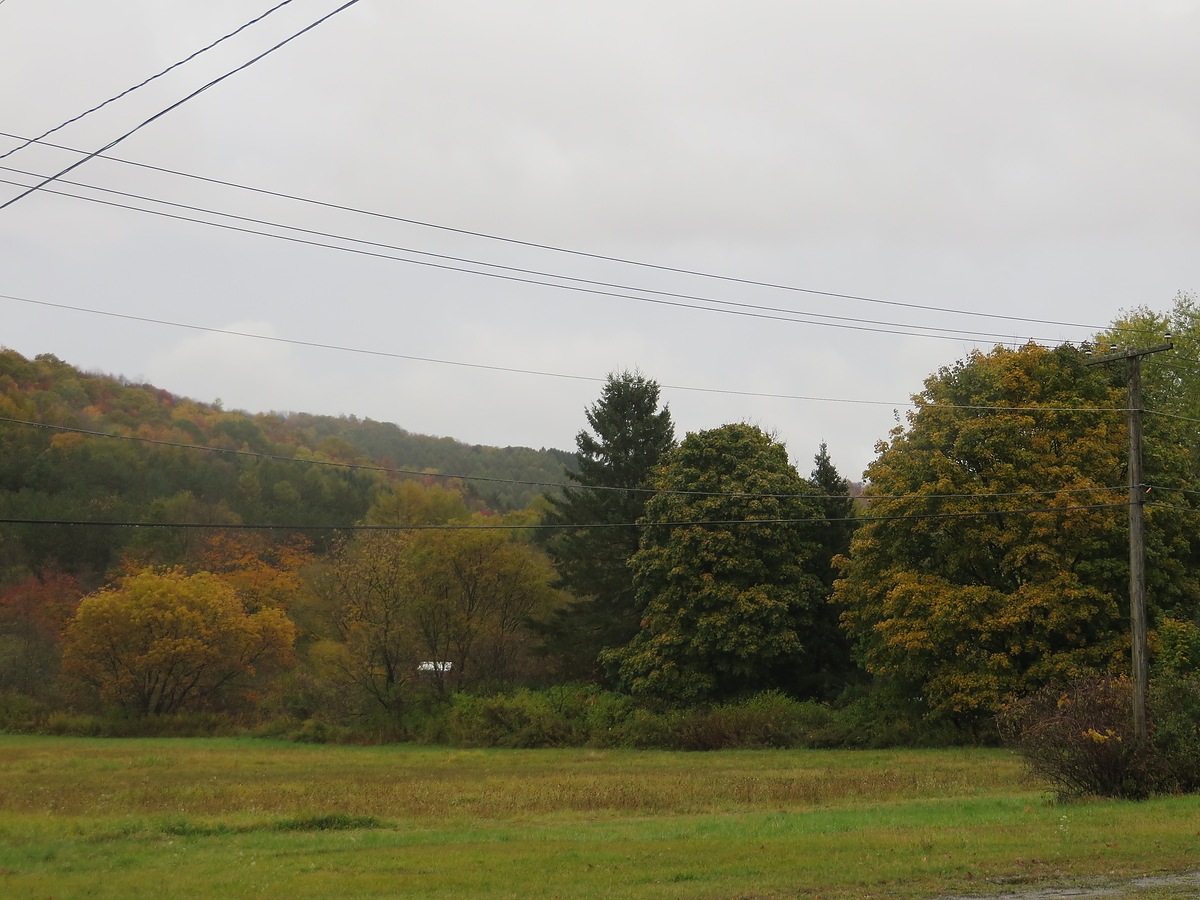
{"type": "Point", "coordinates": [211, 778]}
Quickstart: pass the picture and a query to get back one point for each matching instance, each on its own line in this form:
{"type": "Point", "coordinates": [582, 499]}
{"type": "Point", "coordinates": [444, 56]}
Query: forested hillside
{"type": "Point", "coordinates": [66, 476]}
{"type": "Point", "coordinates": [392, 445]}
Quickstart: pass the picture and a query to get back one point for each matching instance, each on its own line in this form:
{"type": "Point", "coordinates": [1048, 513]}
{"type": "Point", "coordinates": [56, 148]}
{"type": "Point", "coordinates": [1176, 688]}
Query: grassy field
{"type": "Point", "coordinates": [232, 818]}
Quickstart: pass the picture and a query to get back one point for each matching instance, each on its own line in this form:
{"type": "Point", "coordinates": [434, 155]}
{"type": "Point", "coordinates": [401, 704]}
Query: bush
{"type": "Point", "coordinates": [1079, 739]}
{"type": "Point", "coordinates": [316, 731]}
{"type": "Point", "coordinates": [19, 713]}
{"type": "Point", "coordinates": [524, 720]}
{"type": "Point", "coordinates": [1174, 703]}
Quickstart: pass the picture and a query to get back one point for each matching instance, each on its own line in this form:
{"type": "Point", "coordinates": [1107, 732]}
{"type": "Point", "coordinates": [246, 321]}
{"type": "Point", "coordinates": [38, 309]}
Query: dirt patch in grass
{"type": "Point", "coordinates": [1147, 888]}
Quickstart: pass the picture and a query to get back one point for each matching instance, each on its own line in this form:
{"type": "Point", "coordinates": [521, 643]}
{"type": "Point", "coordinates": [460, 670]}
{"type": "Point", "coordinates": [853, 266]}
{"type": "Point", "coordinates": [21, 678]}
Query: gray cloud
{"type": "Point", "coordinates": [1025, 158]}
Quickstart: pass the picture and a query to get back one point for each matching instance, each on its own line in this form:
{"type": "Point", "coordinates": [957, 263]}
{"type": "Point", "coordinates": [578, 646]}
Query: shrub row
{"type": "Point", "coordinates": [563, 716]}
{"type": "Point", "coordinates": [584, 716]}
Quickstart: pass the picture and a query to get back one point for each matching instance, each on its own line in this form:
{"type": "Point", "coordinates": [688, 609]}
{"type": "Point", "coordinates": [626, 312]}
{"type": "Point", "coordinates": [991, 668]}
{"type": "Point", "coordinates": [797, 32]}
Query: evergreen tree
{"type": "Point", "coordinates": [829, 666]}
{"type": "Point", "coordinates": [628, 437]}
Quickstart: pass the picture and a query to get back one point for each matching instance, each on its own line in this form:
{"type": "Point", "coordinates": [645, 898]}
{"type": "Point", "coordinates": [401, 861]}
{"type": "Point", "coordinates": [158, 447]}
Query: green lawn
{"type": "Point", "coordinates": [226, 818]}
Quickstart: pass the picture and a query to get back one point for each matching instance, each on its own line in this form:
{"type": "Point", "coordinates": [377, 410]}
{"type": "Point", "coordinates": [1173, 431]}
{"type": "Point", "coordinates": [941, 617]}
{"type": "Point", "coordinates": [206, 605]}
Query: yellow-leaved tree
{"type": "Point", "coordinates": [159, 642]}
{"type": "Point", "coordinates": [994, 556]}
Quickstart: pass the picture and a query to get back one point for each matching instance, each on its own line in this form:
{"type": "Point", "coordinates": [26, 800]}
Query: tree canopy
{"type": "Point", "coordinates": [971, 599]}
{"type": "Point", "coordinates": [727, 608]}
{"type": "Point", "coordinates": [159, 641]}
{"type": "Point", "coordinates": [396, 600]}
{"type": "Point", "coordinates": [1171, 380]}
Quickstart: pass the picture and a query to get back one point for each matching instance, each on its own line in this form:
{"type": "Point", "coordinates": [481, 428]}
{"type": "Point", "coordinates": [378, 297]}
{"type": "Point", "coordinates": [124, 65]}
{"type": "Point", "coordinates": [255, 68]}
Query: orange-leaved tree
{"type": "Point", "coordinates": [33, 614]}
{"type": "Point", "coordinates": [263, 573]}
{"type": "Point", "coordinates": [162, 641]}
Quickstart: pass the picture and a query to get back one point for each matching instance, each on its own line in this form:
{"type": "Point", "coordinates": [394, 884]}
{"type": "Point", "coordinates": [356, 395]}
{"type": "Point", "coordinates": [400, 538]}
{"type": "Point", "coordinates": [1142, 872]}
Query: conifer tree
{"type": "Point", "coordinates": [628, 436]}
{"type": "Point", "coordinates": [829, 666]}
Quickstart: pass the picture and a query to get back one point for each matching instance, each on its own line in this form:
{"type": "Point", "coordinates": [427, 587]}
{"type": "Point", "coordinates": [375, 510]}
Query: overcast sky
{"type": "Point", "coordinates": [1036, 160]}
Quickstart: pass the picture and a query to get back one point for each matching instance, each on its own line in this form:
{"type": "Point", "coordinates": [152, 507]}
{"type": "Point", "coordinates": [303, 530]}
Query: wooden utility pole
{"type": "Point", "coordinates": [1137, 531]}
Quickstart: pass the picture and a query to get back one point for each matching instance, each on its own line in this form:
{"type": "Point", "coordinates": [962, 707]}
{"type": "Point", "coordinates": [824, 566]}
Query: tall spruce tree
{"type": "Point", "coordinates": [829, 667]}
{"type": "Point", "coordinates": [629, 436]}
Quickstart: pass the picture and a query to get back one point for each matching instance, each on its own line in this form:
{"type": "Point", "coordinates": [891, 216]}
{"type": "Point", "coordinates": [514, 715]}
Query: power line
{"type": "Point", "coordinates": [566, 250]}
{"type": "Point", "coordinates": [1159, 412]}
{"type": "Point", "coordinates": [540, 373]}
{"type": "Point", "coordinates": [502, 527]}
{"type": "Point", "coordinates": [950, 333]}
{"type": "Point", "coordinates": [574, 486]}
{"type": "Point", "coordinates": [1177, 490]}
{"type": "Point", "coordinates": [1190, 509]}
{"type": "Point", "coordinates": [142, 84]}
{"type": "Point", "coordinates": [1182, 362]}
{"type": "Point", "coordinates": [177, 104]}
{"type": "Point", "coordinates": [956, 335]}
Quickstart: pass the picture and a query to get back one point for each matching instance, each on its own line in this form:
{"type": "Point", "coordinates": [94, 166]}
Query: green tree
{"type": "Point", "coordinates": [1170, 381]}
{"type": "Point", "coordinates": [628, 437]}
{"type": "Point", "coordinates": [829, 666]}
{"type": "Point", "coordinates": [968, 601]}
{"type": "Point", "coordinates": [727, 608]}
{"type": "Point", "coordinates": [412, 503]}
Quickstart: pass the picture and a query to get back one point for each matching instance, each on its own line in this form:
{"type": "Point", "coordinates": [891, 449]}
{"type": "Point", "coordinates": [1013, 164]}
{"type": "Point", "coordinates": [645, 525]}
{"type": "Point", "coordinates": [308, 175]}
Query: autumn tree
{"type": "Point", "coordinates": [372, 644]}
{"type": "Point", "coordinates": [473, 595]}
{"type": "Point", "coordinates": [366, 598]}
{"type": "Point", "coordinates": [33, 616]}
{"type": "Point", "coordinates": [628, 436]}
{"type": "Point", "coordinates": [727, 603]}
{"type": "Point", "coordinates": [994, 558]}
{"type": "Point", "coordinates": [265, 574]}
{"type": "Point", "coordinates": [398, 599]}
{"type": "Point", "coordinates": [162, 641]}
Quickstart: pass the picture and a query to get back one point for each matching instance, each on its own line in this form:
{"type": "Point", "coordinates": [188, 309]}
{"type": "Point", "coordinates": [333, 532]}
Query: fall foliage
{"type": "Point", "coordinates": [457, 601]}
{"type": "Point", "coordinates": [970, 610]}
{"type": "Point", "coordinates": [161, 641]}
{"type": "Point", "coordinates": [33, 615]}
{"type": "Point", "coordinates": [967, 584]}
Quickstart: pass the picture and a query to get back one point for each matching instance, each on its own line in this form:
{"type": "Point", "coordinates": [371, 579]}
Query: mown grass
{"type": "Point", "coordinates": [201, 818]}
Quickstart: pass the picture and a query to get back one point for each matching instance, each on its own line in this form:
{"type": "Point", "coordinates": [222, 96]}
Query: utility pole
{"type": "Point", "coordinates": [1137, 531]}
